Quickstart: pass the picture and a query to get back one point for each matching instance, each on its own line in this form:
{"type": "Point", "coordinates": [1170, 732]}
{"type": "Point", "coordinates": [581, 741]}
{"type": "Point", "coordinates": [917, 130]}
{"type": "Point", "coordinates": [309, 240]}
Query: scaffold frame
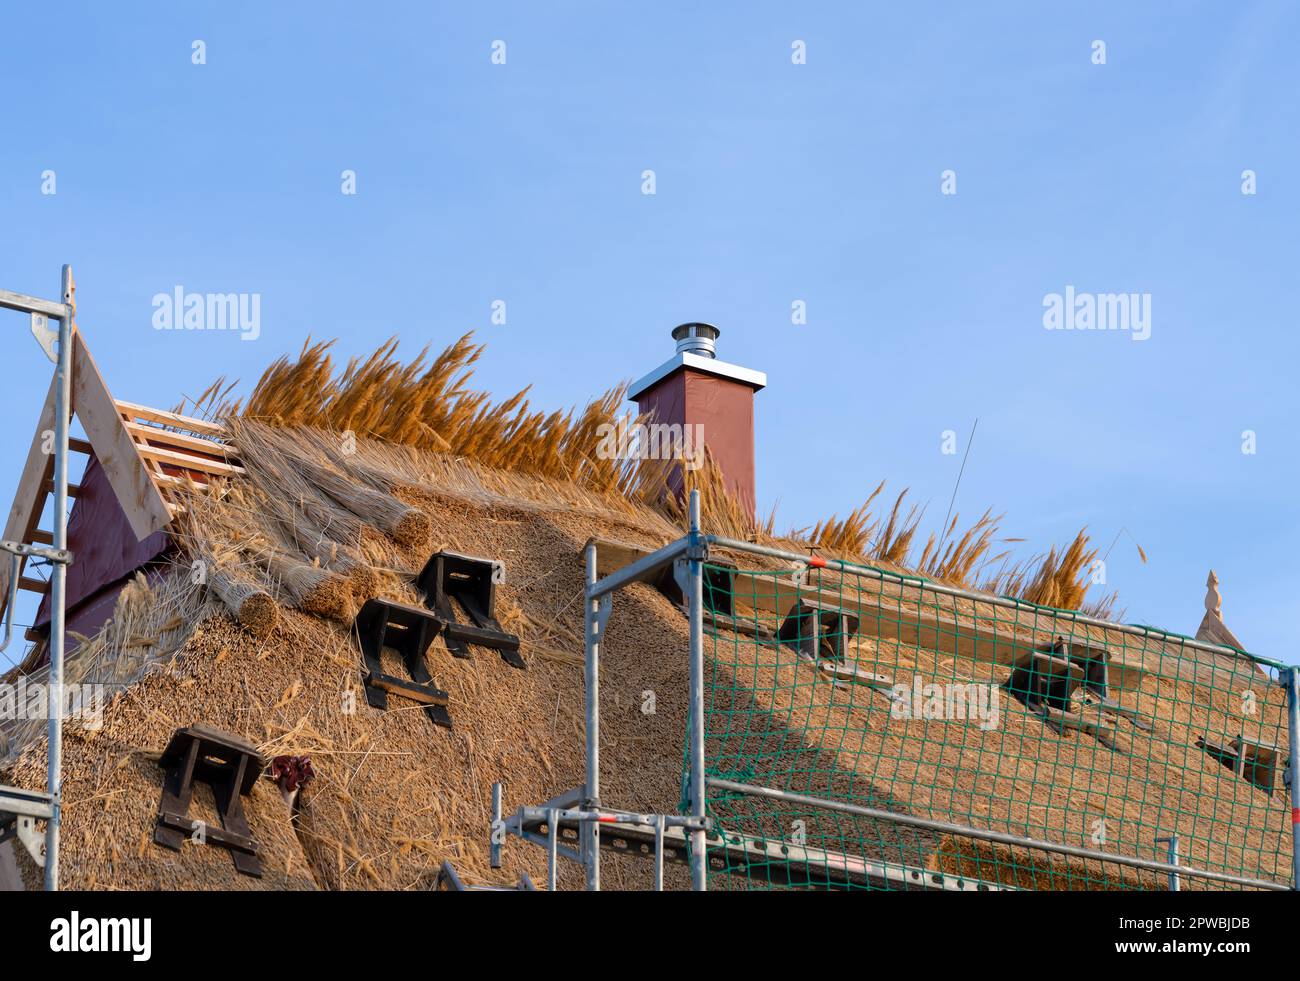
{"type": "Point", "coordinates": [575, 825]}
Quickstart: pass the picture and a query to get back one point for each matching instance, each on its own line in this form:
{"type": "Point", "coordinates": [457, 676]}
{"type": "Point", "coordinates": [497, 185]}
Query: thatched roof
{"type": "Point", "coordinates": [315, 525]}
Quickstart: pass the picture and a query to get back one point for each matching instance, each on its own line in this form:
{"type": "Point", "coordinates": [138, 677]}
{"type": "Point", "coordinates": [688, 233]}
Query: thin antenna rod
{"type": "Point", "coordinates": [952, 500]}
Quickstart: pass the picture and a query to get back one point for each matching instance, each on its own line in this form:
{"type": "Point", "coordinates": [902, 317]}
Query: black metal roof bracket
{"type": "Point", "coordinates": [817, 630]}
{"type": "Point", "coordinates": [408, 630]}
{"type": "Point", "coordinates": [472, 583]}
{"type": "Point", "coordinates": [230, 766]}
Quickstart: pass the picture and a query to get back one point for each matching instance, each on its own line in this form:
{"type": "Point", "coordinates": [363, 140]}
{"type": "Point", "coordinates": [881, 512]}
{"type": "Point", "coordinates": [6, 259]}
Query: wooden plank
{"type": "Point", "coordinates": [188, 461]}
{"type": "Point", "coordinates": [1051, 666]}
{"type": "Point", "coordinates": [1256, 748]}
{"type": "Point", "coordinates": [919, 628]}
{"type": "Point", "coordinates": [911, 628]}
{"type": "Point", "coordinates": [425, 694]}
{"type": "Point", "coordinates": [749, 628]}
{"type": "Point", "coordinates": [140, 499]}
{"type": "Point", "coordinates": [881, 615]}
{"type": "Point", "coordinates": [182, 440]}
{"type": "Point", "coordinates": [33, 585]}
{"type": "Point", "coordinates": [612, 556]}
{"type": "Point", "coordinates": [28, 499]}
{"type": "Point", "coordinates": [42, 537]}
{"type": "Point", "coordinates": [201, 426]}
{"type": "Point", "coordinates": [80, 446]}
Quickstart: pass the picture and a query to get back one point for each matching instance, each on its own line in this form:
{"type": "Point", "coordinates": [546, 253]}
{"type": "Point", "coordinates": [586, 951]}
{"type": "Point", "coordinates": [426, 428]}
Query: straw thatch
{"type": "Point", "coordinates": [324, 520]}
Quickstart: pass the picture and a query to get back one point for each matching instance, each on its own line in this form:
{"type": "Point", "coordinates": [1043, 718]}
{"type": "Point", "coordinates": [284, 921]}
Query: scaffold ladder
{"type": "Point", "coordinates": [19, 808]}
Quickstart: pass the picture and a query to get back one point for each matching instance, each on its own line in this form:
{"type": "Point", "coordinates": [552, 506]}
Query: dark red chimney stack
{"type": "Point", "coordinates": [695, 389]}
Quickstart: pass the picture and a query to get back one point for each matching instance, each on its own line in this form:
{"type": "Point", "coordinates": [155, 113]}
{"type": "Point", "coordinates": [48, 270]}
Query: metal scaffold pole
{"type": "Point", "coordinates": [576, 815]}
{"type": "Point", "coordinates": [1291, 678]}
{"type": "Point", "coordinates": [593, 627]}
{"type": "Point", "coordinates": [699, 866]}
{"type": "Point", "coordinates": [59, 578]}
{"type": "Point", "coordinates": [27, 806]}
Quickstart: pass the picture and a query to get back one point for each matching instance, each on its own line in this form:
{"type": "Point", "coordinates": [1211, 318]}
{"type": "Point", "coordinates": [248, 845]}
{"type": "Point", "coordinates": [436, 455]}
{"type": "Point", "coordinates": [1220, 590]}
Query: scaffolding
{"type": "Point", "coordinates": [19, 809]}
{"type": "Point", "coordinates": [577, 815]}
{"type": "Point", "coordinates": [730, 816]}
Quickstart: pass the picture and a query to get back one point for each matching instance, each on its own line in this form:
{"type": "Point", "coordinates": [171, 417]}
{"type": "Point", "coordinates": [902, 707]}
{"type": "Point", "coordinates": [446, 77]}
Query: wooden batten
{"type": "Point", "coordinates": [188, 461]}
{"type": "Point", "coordinates": [183, 441]}
{"type": "Point", "coordinates": [163, 418]}
{"type": "Point", "coordinates": [179, 452]}
{"type": "Point", "coordinates": [883, 616]}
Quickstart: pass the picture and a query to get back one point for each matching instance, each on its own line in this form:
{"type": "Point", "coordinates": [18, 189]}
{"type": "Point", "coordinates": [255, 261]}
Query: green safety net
{"type": "Point", "coordinates": [861, 687]}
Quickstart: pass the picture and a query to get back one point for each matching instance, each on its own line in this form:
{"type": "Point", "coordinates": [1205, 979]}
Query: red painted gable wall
{"type": "Point", "coordinates": [105, 550]}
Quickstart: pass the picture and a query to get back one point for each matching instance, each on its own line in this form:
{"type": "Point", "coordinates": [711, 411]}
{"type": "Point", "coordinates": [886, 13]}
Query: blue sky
{"type": "Point", "coordinates": [775, 182]}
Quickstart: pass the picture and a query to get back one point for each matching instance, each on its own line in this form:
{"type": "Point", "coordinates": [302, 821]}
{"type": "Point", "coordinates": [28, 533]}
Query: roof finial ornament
{"type": "Point", "coordinates": [1213, 630]}
{"type": "Point", "coordinates": [1213, 601]}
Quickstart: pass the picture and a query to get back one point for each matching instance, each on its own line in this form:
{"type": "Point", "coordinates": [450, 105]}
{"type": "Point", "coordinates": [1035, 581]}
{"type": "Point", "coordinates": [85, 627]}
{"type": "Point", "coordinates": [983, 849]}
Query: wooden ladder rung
{"type": "Point", "coordinates": [48, 488]}
{"type": "Point", "coordinates": [200, 426]}
{"type": "Point", "coordinates": [178, 440]}
{"type": "Point", "coordinates": [188, 461]}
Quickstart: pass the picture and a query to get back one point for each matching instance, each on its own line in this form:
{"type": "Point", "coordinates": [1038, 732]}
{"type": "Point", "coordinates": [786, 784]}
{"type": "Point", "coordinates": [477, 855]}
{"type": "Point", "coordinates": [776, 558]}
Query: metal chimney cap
{"type": "Point", "coordinates": [696, 338]}
{"type": "Point", "coordinates": [695, 352]}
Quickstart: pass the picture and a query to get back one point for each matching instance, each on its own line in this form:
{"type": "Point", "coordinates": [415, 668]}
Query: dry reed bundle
{"type": "Point", "coordinates": [301, 533]}
{"type": "Point", "coordinates": [253, 606]}
{"type": "Point", "coordinates": [275, 451]}
{"type": "Point", "coordinates": [310, 588]}
{"type": "Point", "coordinates": [407, 526]}
{"type": "Point", "coordinates": [398, 467]}
{"type": "Point", "coordinates": [330, 555]}
{"type": "Point", "coordinates": [280, 480]}
{"type": "Point", "coordinates": [248, 520]}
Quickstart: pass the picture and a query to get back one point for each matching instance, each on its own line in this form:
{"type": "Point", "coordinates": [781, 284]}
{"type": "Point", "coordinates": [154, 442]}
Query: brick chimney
{"type": "Point", "coordinates": [695, 389]}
